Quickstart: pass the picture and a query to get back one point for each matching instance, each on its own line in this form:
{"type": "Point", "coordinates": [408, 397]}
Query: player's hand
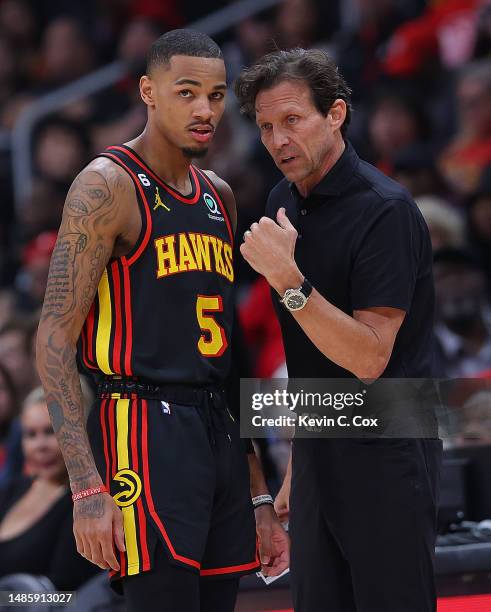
{"type": "Point", "coordinates": [282, 501]}
{"type": "Point", "coordinates": [97, 523]}
{"type": "Point", "coordinates": [269, 248]}
{"type": "Point", "coordinates": [274, 543]}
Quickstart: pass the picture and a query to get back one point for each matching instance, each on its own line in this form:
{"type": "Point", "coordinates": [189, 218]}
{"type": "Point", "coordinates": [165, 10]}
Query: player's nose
{"type": "Point", "coordinates": [203, 110]}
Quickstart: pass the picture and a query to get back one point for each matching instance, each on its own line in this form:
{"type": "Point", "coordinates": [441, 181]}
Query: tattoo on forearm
{"type": "Point", "coordinates": [79, 258]}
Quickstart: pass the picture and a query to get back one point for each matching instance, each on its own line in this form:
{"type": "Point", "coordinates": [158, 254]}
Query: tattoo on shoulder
{"type": "Point", "coordinates": [88, 211]}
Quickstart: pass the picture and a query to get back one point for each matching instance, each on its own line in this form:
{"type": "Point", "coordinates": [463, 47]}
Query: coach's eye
{"type": "Point", "coordinates": [265, 127]}
{"type": "Point", "coordinates": [185, 93]}
{"type": "Point", "coordinates": [291, 119]}
{"type": "Point", "coordinates": [217, 95]}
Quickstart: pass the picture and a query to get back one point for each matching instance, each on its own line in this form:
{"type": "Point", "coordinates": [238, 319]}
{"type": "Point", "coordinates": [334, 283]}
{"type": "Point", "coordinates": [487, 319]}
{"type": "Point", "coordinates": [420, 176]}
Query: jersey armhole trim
{"type": "Point", "coordinates": [144, 209]}
{"type": "Point", "coordinates": [225, 212]}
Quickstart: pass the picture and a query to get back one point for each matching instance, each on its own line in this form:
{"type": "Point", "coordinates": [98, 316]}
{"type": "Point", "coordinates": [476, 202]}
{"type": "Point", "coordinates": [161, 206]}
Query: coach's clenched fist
{"type": "Point", "coordinates": [269, 248]}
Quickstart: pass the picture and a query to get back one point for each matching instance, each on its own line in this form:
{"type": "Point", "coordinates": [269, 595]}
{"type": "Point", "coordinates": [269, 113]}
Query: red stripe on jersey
{"type": "Point", "coordinates": [234, 568]}
{"type": "Point", "coordinates": [118, 331]}
{"type": "Point", "coordinates": [142, 519]}
{"type": "Point", "coordinates": [148, 215]}
{"type": "Point", "coordinates": [84, 346]}
{"type": "Point", "coordinates": [90, 335]}
{"type": "Point", "coordinates": [104, 440]}
{"type": "Point", "coordinates": [128, 317]}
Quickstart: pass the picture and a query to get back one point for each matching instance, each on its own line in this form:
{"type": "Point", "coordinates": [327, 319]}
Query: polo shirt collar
{"type": "Point", "coordinates": [336, 180]}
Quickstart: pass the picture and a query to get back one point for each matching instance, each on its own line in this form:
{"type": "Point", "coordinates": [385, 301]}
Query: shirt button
{"type": "Point", "coordinates": [303, 211]}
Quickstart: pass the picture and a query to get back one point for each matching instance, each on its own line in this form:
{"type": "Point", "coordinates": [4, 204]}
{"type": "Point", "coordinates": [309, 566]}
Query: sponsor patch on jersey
{"type": "Point", "coordinates": [165, 407]}
{"type": "Point", "coordinates": [212, 205]}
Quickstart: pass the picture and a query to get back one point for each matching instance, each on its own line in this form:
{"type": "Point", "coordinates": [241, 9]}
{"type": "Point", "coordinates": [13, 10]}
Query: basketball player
{"type": "Point", "coordinates": [140, 291]}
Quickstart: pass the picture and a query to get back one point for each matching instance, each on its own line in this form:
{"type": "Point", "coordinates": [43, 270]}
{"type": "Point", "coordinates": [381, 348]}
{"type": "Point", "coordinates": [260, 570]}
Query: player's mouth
{"type": "Point", "coordinates": [202, 133]}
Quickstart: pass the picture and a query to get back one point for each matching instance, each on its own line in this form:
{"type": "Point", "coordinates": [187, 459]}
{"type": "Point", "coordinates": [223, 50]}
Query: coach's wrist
{"type": "Point", "coordinates": [292, 278]}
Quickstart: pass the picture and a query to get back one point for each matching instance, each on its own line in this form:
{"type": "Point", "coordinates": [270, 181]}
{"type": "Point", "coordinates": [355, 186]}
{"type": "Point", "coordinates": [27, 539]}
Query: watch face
{"type": "Point", "coordinates": [295, 301]}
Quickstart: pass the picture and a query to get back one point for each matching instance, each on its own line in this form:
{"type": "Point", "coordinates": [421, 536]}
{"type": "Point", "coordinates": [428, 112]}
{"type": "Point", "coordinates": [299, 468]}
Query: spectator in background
{"type": "Point", "coordinates": [8, 70]}
{"type": "Point", "coordinates": [253, 37]}
{"type": "Point", "coordinates": [397, 119]}
{"type": "Point", "coordinates": [359, 50]}
{"type": "Point", "coordinates": [14, 354]}
{"type": "Point", "coordinates": [479, 221]}
{"type": "Point", "coordinates": [463, 310]}
{"type": "Point", "coordinates": [482, 47]}
{"type": "Point", "coordinates": [62, 148]}
{"type": "Point", "coordinates": [18, 24]}
{"type": "Point", "coordinates": [475, 419]}
{"type": "Point", "coordinates": [414, 167]}
{"type": "Point", "coordinates": [33, 275]}
{"type": "Point", "coordinates": [297, 23]}
{"type": "Point", "coordinates": [445, 224]}
{"type": "Point", "coordinates": [464, 160]}
{"type": "Point", "coordinates": [40, 211]}
{"type": "Point", "coordinates": [36, 535]}
{"type": "Point", "coordinates": [7, 306]}
{"type": "Point", "coordinates": [8, 412]}
{"type": "Point", "coordinates": [121, 114]}
{"type": "Point", "coordinates": [66, 53]}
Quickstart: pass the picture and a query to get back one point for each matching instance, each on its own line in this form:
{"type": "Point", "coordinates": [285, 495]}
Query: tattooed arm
{"type": "Point", "coordinates": [92, 229]}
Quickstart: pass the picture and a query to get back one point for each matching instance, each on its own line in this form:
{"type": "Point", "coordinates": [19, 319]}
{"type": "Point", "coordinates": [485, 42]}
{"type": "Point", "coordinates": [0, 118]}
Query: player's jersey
{"type": "Point", "coordinates": [163, 312]}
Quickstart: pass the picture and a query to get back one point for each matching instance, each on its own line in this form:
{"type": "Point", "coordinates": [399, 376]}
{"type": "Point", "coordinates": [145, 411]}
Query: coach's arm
{"type": "Point", "coordinates": [362, 343]}
{"type": "Point", "coordinates": [92, 223]}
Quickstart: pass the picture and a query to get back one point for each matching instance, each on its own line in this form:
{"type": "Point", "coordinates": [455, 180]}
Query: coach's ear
{"type": "Point", "coordinates": [337, 114]}
{"type": "Point", "coordinates": [146, 90]}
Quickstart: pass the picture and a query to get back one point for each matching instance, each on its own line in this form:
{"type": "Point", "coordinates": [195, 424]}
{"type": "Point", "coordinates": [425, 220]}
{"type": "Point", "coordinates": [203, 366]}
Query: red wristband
{"type": "Point", "coordinates": [89, 492]}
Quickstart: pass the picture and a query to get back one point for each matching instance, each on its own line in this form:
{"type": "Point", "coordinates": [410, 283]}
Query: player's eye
{"type": "Point", "coordinates": [185, 93]}
{"type": "Point", "coordinates": [217, 95]}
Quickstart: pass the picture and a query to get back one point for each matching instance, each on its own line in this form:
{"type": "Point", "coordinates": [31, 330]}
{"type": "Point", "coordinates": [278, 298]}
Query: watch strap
{"type": "Point", "coordinates": [306, 288]}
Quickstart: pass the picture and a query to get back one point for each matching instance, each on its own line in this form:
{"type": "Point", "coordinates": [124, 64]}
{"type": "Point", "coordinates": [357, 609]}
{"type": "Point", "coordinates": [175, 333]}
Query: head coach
{"type": "Point", "coordinates": [349, 256]}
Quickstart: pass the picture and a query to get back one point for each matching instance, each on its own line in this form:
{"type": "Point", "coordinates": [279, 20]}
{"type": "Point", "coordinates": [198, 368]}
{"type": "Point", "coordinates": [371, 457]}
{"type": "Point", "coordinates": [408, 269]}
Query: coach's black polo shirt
{"type": "Point", "coordinates": [362, 243]}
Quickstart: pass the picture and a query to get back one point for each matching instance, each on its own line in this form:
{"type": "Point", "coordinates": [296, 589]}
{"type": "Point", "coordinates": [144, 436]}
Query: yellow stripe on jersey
{"type": "Point", "coordinates": [129, 523]}
{"type": "Point", "coordinates": [103, 336]}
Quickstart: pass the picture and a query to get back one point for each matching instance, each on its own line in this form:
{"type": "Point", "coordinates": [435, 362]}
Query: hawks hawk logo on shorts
{"type": "Point", "coordinates": [133, 487]}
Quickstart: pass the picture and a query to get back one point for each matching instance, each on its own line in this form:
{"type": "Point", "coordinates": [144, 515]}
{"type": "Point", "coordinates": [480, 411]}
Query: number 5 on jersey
{"type": "Point", "coordinates": [214, 341]}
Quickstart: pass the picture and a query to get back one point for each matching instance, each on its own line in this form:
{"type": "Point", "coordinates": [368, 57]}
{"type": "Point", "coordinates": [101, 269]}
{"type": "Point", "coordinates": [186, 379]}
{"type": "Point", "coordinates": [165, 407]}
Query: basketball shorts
{"type": "Point", "coordinates": [177, 468]}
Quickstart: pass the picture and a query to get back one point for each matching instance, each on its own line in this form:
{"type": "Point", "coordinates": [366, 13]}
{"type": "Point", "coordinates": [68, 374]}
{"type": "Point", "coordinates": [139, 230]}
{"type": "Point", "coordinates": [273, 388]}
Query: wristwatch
{"type": "Point", "coordinates": [295, 299]}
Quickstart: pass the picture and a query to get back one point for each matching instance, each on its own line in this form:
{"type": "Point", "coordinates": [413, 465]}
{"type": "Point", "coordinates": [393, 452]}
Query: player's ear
{"type": "Point", "coordinates": [337, 113]}
{"type": "Point", "coordinates": [146, 90]}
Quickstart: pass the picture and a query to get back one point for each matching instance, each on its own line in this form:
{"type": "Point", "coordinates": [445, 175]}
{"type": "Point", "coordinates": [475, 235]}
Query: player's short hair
{"type": "Point", "coordinates": [312, 66]}
{"type": "Point", "coordinates": [181, 42]}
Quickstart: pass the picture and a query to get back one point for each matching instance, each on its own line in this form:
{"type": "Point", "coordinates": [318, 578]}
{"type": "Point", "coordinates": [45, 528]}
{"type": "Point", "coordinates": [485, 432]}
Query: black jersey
{"type": "Point", "coordinates": [163, 312]}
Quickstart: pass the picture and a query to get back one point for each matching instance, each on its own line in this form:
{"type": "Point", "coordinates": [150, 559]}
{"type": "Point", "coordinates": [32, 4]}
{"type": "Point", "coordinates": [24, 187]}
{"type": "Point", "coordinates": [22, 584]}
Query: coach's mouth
{"type": "Point", "coordinates": [287, 159]}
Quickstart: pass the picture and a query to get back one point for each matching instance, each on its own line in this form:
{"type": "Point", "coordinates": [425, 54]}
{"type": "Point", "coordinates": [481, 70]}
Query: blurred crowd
{"type": "Point", "coordinates": [420, 73]}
